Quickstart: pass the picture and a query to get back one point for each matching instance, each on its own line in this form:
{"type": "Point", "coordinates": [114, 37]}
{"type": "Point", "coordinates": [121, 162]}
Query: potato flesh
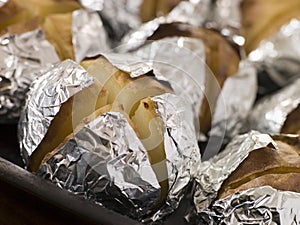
{"type": "Point", "coordinates": [109, 81]}
{"type": "Point", "coordinates": [151, 133]}
{"type": "Point", "coordinates": [121, 92]}
{"type": "Point", "coordinates": [67, 119]}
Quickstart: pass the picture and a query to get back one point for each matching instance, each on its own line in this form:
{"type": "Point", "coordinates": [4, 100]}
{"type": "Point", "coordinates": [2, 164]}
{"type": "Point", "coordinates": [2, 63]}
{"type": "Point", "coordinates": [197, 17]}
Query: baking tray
{"type": "Point", "coordinates": [28, 199]}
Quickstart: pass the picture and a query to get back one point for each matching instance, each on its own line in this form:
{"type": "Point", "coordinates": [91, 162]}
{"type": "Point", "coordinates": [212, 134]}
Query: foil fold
{"type": "Point", "coordinates": [277, 58]}
{"type": "Point", "coordinates": [24, 55]}
{"type": "Point", "coordinates": [106, 162]}
{"type": "Point", "coordinates": [89, 37]}
{"type": "Point", "coordinates": [181, 62]}
{"type": "Point", "coordinates": [232, 107]}
{"type": "Point", "coordinates": [52, 88]}
{"type": "Point", "coordinates": [212, 173]}
{"type": "Point", "coordinates": [263, 205]}
{"type": "Point", "coordinates": [225, 16]}
{"type": "Point", "coordinates": [260, 205]}
{"type": "Point", "coordinates": [270, 113]}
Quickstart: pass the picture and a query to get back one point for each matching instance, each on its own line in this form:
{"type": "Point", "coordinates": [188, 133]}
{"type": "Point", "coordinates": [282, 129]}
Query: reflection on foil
{"type": "Point", "coordinates": [194, 12]}
{"type": "Point", "coordinates": [45, 97]}
{"type": "Point", "coordinates": [89, 37]}
{"type": "Point", "coordinates": [119, 17]}
{"type": "Point", "coordinates": [182, 152]}
{"type": "Point", "coordinates": [128, 63]}
{"type": "Point", "coordinates": [106, 163]}
{"type": "Point", "coordinates": [23, 56]}
{"type": "Point", "coordinates": [233, 106]}
{"type": "Point", "coordinates": [263, 205]}
{"type": "Point", "coordinates": [189, 12]}
{"type": "Point", "coordinates": [225, 17]}
{"type": "Point", "coordinates": [212, 173]}
{"type": "Point", "coordinates": [277, 58]}
{"type": "Point", "coordinates": [93, 5]}
{"type": "Point", "coordinates": [181, 62]}
{"type": "Point", "coordinates": [270, 113]}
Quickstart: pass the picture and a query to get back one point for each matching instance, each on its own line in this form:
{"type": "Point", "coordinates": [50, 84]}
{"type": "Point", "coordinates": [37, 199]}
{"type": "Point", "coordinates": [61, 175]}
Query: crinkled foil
{"type": "Point", "coordinates": [181, 62]}
{"type": "Point", "coordinates": [225, 16]}
{"type": "Point", "coordinates": [278, 58]}
{"type": "Point", "coordinates": [212, 173]}
{"type": "Point", "coordinates": [45, 97]}
{"type": "Point", "coordinates": [119, 17]}
{"type": "Point", "coordinates": [194, 12]}
{"type": "Point", "coordinates": [89, 37]}
{"type": "Point", "coordinates": [261, 205]}
{"type": "Point", "coordinates": [129, 63]}
{"type": "Point", "coordinates": [23, 56]}
{"type": "Point", "coordinates": [232, 107]}
{"type": "Point", "coordinates": [270, 113]}
{"type": "Point", "coordinates": [107, 163]}
{"type": "Point", "coordinates": [181, 147]}
{"type": "Point", "coordinates": [93, 5]}
{"type": "Point", "coordinates": [190, 12]}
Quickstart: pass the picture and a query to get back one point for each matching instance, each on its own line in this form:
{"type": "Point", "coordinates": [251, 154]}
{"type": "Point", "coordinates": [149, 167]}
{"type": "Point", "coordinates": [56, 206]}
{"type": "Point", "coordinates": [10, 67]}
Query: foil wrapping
{"type": "Point", "coordinates": [24, 55]}
{"type": "Point", "coordinates": [181, 62]}
{"type": "Point", "coordinates": [89, 37]}
{"type": "Point", "coordinates": [52, 88]}
{"type": "Point", "coordinates": [225, 16]}
{"type": "Point", "coordinates": [212, 173]}
{"type": "Point", "coordinates": [232, 108]}
{"type": "Point", "coordinates": [261, 205]}
{"type": "Point", "coordinates": [107, 163]}
{"type": "Point", "coordinates": [119, 17]}
{"type": "Point", "coordinates": [270, 113]}
{"type": "Point", "coordinates": [189, 12]}
{"type": "Point", "coordinates": [277, 58]}
{"type": "Point", "coordinates": [128, 63]}
{"type": "Point", "coordinates": [194, 12]}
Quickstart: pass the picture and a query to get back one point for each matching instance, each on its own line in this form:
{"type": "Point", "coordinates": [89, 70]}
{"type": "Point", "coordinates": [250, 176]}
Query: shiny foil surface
{"type": "Point", "coordinates": [270, 113]}
{"type": "Point", "coordinates": [181, 62]}
{"type": "Point", "coordinates": [212, 173]}
{"type": "Point", "coordinates": [23, 56]}
{"type": "Point", "coordinates": [278, 56]}
{"type": "Point", "coordinates": [52, 88]}
{"type": "Point", "coordinates": [225, 16]}
{"type": "Point", "coordinates": [106, 162]}
{"type": "Point", "coordinates": [89, 38]}
{"type": "Point", "coordinates": [232, 107]}
{"type": "Point", "coordinates": [189, 12]}
{"type": "Point", "coordinates": [261, 205]}
{"type": "Point", "coordinates": [194, 12]}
